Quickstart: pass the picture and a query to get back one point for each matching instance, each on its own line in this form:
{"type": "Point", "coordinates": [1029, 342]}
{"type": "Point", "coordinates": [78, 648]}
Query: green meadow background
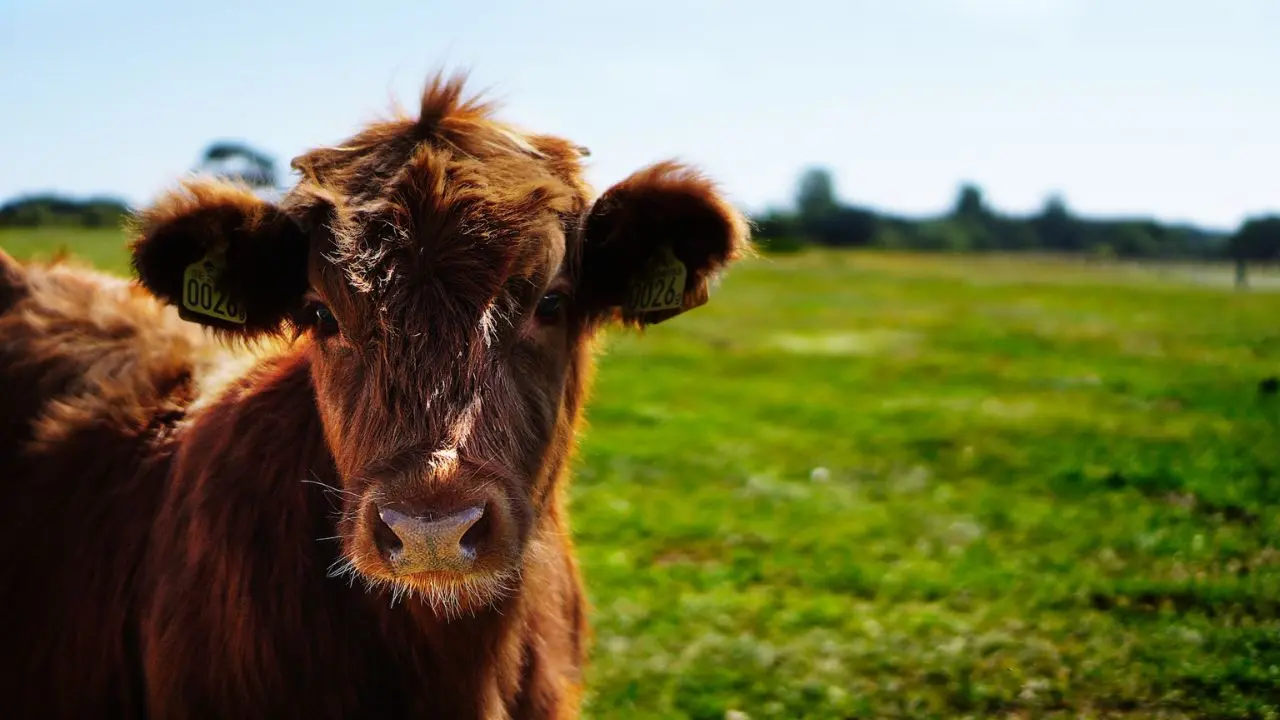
{"type": "Point", "coordinates": [872, 484]}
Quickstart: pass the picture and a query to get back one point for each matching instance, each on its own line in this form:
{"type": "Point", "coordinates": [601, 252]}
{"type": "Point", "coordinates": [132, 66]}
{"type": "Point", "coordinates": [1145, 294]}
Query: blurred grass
{"type": "Point", "coordinates": [103, 247]}
{"type": "Point", "coordinates": [876, 485]}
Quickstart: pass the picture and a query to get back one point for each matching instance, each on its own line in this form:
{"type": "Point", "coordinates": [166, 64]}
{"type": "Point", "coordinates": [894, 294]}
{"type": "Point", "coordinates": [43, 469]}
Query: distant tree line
{"type": "Point", "coordinates": [224, 158]}
{"type": "Point", "coordinates": [820, 218]}
{"type": "Point", "coordinates": [53, 210]}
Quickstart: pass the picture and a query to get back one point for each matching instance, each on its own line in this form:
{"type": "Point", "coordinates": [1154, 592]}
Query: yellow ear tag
{"type": "Point", "coordinates": [660, 286]}
{"type": "Point", "coordinates": [202, 295]}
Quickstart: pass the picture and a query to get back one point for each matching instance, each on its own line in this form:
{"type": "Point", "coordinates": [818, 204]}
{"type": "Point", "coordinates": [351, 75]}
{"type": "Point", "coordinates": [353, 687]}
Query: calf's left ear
{"type": "Point", "coordinates": [653, 244]}
{"type": "Point", "coordinates": [225, 257]}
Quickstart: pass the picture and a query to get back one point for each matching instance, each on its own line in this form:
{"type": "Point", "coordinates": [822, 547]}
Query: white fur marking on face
{"type": "Point", "coordinates": [445, 461]}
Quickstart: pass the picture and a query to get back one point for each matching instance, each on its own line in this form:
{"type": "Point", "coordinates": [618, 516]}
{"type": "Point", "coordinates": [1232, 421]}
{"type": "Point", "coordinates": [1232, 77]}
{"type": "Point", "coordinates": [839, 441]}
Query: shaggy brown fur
{"type": "Point", "coordinates": [419, 312]}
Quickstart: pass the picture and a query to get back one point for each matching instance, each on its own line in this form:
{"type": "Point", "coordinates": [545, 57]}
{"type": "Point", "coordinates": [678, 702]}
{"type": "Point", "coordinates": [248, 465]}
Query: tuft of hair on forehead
{"type": "Point", "coordinates": [448, 118]}
{"type": "Point", "coordinates": [444, 99]}
{"type": "Point", "coordinates": [467, 123]}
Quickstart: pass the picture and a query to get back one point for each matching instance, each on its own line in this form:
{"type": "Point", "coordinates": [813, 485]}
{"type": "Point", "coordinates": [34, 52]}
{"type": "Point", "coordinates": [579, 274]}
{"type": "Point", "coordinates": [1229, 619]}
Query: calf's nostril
{"type": "Point", "coordinates": [424, 541]}
{"type": "Point", "coordinates": [474, 539]}
{"type": "Point", "coordinates": [386, 540]}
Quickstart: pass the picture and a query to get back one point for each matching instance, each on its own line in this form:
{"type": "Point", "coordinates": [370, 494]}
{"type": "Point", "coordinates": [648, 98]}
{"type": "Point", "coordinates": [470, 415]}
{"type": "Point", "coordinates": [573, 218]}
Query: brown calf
{"type": "Point", "coordinates": [355, 510]}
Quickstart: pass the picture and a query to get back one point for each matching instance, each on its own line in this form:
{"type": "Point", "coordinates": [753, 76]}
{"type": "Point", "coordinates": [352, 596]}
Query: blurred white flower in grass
{"type": "Point", "coordinates": [914, 480]}
{"type": "Point", "coordinates": [961, 534]}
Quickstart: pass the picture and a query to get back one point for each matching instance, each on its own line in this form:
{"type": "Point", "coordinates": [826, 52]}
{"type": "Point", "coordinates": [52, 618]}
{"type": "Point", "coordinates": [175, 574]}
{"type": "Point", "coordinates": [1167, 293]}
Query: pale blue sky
{"type": "Point", "coordinates": [1162, 107]}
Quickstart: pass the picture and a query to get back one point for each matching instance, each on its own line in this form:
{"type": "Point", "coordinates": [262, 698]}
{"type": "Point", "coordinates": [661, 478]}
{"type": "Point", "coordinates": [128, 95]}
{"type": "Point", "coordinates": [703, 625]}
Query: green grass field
{"type": "Point", "coordinates": [868, 485]}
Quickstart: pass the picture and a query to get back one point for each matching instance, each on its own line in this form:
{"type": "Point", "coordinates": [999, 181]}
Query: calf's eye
{"type": "Point", "coordinates": [549, 307]}
{"type": "Point", "coordinates": [320, 318]}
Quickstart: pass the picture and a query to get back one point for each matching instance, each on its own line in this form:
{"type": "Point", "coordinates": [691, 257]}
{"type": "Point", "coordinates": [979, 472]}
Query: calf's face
{"type": "Point", "coordinates": [444, 274]}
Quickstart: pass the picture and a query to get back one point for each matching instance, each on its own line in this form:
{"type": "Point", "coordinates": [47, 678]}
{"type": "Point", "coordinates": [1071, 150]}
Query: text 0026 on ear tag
{"type": "Point", "coordinates": [660, 286]}
{"type": "Point", "coordinates": [202, 296]}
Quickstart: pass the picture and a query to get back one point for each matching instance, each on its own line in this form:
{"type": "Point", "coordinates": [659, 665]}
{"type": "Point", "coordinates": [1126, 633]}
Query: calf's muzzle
{"type": "Point", "coordinates": [414, 541]}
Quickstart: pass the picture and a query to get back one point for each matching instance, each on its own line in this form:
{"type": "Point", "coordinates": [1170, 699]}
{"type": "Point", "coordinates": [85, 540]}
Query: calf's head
{"type": "Point", "coordinates": [444, 275]}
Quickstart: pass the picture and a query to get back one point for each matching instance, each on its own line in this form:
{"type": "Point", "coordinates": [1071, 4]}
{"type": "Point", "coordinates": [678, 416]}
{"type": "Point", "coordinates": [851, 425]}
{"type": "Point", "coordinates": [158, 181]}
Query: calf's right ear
{"type": "Point", "coordinates": [653, 243]}
{"type": "Point", "coordinates": [226, 258]}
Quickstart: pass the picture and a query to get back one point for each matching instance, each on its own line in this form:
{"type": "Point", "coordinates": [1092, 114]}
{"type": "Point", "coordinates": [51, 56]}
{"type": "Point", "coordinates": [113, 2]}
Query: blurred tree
{"type": "Point", "coordinates": [969, 204]}
{"type": "Point", "coordinates": [970, 224]}
{"type": "Point", "coordinates": [238, 161]}
{"type": "Point", "coordinates": [1258, 239]}
{"type": "Point", "coordinates": [822, 219]}
{"type": "Point", "coordinates": [816, 195]}
{"type": "Point", "coordinates": [1057, 229]}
